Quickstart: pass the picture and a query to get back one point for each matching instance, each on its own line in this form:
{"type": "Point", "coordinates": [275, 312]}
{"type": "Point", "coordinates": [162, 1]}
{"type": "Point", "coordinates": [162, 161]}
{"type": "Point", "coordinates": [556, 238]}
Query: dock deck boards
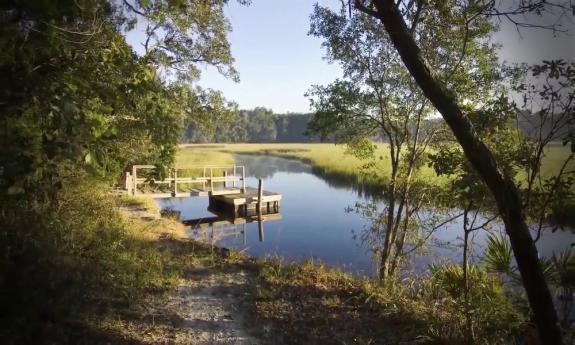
{"type": "Point", "coordinates": [250, 196]}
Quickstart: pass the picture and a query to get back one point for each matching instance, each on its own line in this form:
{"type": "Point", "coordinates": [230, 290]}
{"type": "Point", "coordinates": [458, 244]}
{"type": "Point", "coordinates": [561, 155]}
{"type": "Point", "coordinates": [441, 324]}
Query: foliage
{"type": "Point", "coordinates": [63, 104]}
{"type": "Point", "coordinates": [78, 94]}
{"type": "Point", "coordinates": [310, 302]}
{"type": "Point", "coordinates": [498, 257]}
{"type": "Point", "coordinates": [77, 107]}
{"type": "Point", "coordinates": [402, 22]}
{"type": "Point", "coordinates": [559, 271]}
{"type": "Point", "coordinates": [82, 259]}
{"type": "Point", "coordinates": [487, 301]}
{"type": "Point", "coordinates": [377, 97]}
{"type": "Point", "coordinates": [212, 114]}
{"type": "Point", "coordinates": [548, 102]}
{"type": "Point", "coordinates": [182, 34]}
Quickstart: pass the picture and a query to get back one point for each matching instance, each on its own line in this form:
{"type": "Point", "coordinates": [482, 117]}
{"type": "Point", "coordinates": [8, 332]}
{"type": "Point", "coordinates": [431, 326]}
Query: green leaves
{"type": "Point", "coordinates": [78, 102]}
{"type": "Point", "coordinates": [181, 34]}
{"type": "Point", "coordinates": [498, 256]}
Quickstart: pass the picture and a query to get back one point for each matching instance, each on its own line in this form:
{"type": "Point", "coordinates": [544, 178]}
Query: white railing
{"type": "Point", "coordinates": [204, 175]}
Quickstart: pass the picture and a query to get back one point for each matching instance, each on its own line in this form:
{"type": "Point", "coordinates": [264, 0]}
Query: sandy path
{"type": "Point", "coordinates": [204, 309]}
{"type": "Point", "coordinates": [208, 307]}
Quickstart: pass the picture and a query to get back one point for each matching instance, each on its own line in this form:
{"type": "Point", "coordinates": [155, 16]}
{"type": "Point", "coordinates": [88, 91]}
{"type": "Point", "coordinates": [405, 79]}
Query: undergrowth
{"type": "Point", "coordinates": [311, 304]}
{"type": "Point", "coordinates": [74, 269]}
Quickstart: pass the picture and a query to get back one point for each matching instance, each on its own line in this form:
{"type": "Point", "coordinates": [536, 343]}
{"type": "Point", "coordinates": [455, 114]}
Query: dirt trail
{"type": "Point", "coordinates": [208, 306]}
{"type": "Point", "coordinates": [204, 309]}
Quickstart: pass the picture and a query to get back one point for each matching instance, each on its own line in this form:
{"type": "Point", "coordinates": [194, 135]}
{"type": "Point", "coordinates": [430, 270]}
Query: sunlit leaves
{"type": "Point", "coordinates": [183, 34]}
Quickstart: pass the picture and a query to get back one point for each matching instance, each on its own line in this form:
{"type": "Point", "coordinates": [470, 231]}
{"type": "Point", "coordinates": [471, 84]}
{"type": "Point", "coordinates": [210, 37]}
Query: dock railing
{"type": "Point", "coordinates": [208, 178]}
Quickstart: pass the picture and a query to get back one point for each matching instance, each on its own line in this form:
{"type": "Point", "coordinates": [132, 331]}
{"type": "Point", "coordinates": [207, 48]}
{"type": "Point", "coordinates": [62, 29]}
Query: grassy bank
{"type": "Point", "coordinates": [328, 157]}
{"type": "Point", "coordinates": [309, 304]}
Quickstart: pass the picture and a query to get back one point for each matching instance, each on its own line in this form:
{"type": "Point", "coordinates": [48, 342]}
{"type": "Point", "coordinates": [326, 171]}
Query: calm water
{"type": "Point", "coordinates": [316, 221]}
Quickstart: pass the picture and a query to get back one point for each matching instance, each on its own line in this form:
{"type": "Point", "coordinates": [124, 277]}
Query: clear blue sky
{"type": "Point", "coordinates": [276, 58]}
{"type": "Point", "coordinates": [278, 61]}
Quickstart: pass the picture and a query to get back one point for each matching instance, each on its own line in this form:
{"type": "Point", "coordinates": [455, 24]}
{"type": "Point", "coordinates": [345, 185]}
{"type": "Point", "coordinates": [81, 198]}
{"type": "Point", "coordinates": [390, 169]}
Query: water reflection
{"type": "Point", "coordinates": [213, 229]}
{"type": "Point", "coordinates": [266, 166]}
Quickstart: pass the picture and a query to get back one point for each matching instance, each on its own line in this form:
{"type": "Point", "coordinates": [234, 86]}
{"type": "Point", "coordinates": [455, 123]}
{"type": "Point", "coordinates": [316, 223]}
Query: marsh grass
{"type": "Point", "coordinates": [333, 157]}
{"type": "Point", "coordinates": [332, 160]}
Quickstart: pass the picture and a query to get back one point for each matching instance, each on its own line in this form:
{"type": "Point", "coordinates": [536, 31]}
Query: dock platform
{"type": "Point", "coordinates": [246, 203]}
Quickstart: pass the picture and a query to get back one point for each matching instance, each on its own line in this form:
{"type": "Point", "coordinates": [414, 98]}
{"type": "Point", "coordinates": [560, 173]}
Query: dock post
{"type": "Point", "coordinates": [243, 179]}
{"type": "Point", "coordinates": [134, 180]}
{"type": "Point", "coordinates": [175, 182]}
{"type": "Point", "coordinates": [259, 209]}
{"type": "Point", "coordinates": [234, 175]}
{"type": "Point", "coordinates": [225, 179]}
{"type": "Point", "coordinates": [128, 182]}
{"type": "Point", "coordinates": [211, 180]}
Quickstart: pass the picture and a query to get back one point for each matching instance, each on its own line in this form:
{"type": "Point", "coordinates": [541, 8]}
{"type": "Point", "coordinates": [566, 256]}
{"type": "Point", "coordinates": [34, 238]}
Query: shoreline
{"type": "Point", "coordinates": [298, 302]}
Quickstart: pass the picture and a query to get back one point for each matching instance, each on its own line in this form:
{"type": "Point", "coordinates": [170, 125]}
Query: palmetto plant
{"type": "Point", "coordinates": [564, 267]}
{"type": "Point", "coordinates": [498, 257]}
{"type": "Point", "coordinates": [559, 270]}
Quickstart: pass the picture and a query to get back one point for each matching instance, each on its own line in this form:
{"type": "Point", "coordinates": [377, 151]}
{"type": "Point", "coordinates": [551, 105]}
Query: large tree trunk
{"type": "Point", "coordinates": [503, 189]}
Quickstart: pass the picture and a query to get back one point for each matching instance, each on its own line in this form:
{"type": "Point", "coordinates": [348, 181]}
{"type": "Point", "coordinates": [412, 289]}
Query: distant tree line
{"type": "Point", "coordinates": [262, 125]}
{"type": "Point", "coordinates": [258, 125]}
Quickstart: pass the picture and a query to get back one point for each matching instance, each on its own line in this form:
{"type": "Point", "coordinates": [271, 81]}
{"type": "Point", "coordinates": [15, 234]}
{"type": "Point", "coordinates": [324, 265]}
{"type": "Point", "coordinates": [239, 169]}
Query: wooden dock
{"type": "Point", "coordinates": [224, 185]}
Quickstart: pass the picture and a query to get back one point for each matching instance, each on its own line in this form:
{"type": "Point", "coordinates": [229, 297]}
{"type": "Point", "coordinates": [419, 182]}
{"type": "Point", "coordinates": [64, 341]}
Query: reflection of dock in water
{"type": "Point", "coordinates": [227, 224]}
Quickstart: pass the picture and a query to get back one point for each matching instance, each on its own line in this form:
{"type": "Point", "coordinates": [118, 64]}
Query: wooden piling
{"type": "Point", "coordinates": [175, 182]}
{"type": "Point", "coordinates": [243, 180]}
{"type": "Point", "coordinates": [134, 180]}
{"type": "Point", "coordinates": [211, 179]}
{"type": "Point", "coordinates": [129, 183]}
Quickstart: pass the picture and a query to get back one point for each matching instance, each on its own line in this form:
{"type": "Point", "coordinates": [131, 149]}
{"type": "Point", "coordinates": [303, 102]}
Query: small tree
{"type": "Point", "coordinates": [378, 98]}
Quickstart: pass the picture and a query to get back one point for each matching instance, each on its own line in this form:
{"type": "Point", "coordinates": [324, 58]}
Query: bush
{"type": "Point", "coordinates": [67, 260]}
{"type": "Point", "coordinates": [494, 312]}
